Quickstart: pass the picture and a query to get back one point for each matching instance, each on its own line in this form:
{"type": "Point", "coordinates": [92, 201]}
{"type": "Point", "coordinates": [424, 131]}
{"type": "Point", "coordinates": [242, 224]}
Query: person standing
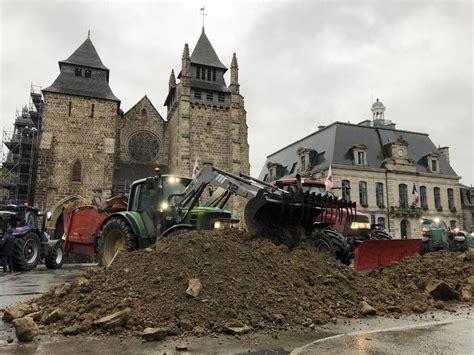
{"type": "Point", "coordinates": [7, 243]}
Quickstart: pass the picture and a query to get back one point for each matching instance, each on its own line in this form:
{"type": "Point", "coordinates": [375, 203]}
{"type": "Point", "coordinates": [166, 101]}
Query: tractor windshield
{"type": "Point", "coordinates": [174, 185]}
{"type": "Point", "coordinates": [316, 189]}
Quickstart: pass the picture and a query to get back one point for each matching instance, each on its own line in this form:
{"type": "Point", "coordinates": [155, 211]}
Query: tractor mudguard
{"type": "Point", "coordinates": [137, 226]}
{"type": "Point", "coordinates": [176, 227]}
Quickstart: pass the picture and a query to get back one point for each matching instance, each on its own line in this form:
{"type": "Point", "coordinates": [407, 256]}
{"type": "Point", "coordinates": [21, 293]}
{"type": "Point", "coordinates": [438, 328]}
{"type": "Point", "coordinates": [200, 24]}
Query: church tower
{"type": "Point", "coordinates": [77, 138]}
{"type": "Point", "coordinates": [207, 118]}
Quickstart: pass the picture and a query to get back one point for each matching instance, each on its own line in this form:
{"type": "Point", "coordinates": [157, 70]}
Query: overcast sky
{"type": "Point", "coordinates": [302, 63]}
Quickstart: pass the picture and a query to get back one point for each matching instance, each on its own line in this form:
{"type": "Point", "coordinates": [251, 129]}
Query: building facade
{"type": "Point", "coordinates": [395, 176]}
{"type": "Point", "coordinates": [88, 146]}
{"type": "Point", "coordinates": [467, 204]}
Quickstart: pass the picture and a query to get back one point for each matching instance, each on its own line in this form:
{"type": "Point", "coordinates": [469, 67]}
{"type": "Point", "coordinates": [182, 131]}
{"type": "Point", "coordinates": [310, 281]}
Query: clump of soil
{"type": "Point", "coordinates": [242, 285]}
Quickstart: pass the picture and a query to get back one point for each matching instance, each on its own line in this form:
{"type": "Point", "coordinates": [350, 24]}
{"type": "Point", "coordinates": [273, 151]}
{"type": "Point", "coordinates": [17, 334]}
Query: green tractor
{"type": "Point", "coordinates": [153, 211]}
{"type": "Point", "coordinates": [436, 235]}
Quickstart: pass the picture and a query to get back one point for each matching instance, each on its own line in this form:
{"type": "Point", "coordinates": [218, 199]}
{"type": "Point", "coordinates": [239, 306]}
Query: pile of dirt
{"type": "Point", "coordinates": [224, 282]}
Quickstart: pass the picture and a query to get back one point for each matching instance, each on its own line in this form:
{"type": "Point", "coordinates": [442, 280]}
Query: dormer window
{"type": "Point", "coordinates": [432, 161]}
{"type": "Point", "coordinates": [359, 154]}
{"type": "Point", "coordinates": [303, 163]}
{"type": "Point", "coordinates": [78, 72]}
{"type": "Point", "coordinates": [214, 75]}
{"type": "Point", "coordinates": [308, 158]}
{"type": "Point", "coordinates": [87, 73]}
{"type": "Point", "coordinates": [198, 72]}
{"type": "Point", "coordinates": [275, 171]}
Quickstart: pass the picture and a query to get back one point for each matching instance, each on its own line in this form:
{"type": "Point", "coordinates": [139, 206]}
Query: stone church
{"type": "Point", "coordinates": [88, 146]}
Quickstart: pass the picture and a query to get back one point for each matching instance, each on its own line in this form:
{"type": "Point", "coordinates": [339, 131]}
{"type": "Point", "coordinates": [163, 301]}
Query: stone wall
{"type": "Point", "coordinates": [74, 129]}
{"type": "Point", "coordinates": [134, 121]}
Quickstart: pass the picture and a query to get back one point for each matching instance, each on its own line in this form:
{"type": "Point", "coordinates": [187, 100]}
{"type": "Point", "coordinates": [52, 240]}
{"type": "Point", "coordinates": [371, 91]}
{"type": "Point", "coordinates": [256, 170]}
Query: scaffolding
{"type": "Point", "coordinates": [19, 148]}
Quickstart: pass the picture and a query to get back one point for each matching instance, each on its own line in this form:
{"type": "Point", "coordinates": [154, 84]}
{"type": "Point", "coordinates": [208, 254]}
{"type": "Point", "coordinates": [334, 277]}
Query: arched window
{"type": "Point", "coordinates": [379, 194]}
{"type": "Point", "coordinates": [346, 190]}
{"type": "Point", "coordinates": [363, 193]}
{"type": "Point", "coordinates": [404, 229]}
{"type": "Point", "coordinates": [77, 172]}
{"type": "Point", "coordinates": [403, 195]}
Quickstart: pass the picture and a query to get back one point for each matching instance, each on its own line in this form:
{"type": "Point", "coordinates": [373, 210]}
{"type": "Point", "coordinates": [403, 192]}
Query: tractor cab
{"type": "Point", "coordinates": [32, 244]}
{"type": "Point", "coordinates": [150, 198]}
{"type": "Point", "coordinates": [436, 235]}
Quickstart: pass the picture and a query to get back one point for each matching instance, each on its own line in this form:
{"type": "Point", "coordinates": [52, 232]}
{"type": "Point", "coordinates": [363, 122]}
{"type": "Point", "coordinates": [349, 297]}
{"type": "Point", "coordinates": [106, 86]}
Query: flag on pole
{"type": "Point", "coordinates": [196, 169]}
{"type": "Point", "coordinates": [415, 194]}
{"type": "Point", "coordinates": [329, 181]}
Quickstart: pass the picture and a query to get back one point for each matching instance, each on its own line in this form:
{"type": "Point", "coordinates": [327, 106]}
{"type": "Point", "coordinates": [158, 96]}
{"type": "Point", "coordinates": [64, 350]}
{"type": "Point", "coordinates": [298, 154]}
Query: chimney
{"type": "Point", "coordinates": [444, 151]}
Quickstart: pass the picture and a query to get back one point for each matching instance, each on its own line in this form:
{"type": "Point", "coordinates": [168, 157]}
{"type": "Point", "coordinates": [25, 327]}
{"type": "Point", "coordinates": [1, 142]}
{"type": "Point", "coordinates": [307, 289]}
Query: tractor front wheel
{"type": "Point", "coordinates": [331, 242]}
{"type": "Point", "coordinates": [26, 252]}
{"type": "Point", "coordinates": [55, 258]}
{"type": "Point", "coordinates": [116, 236]}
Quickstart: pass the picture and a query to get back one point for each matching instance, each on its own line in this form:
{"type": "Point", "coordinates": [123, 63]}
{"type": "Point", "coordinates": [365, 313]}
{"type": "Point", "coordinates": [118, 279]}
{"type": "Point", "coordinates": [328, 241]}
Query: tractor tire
{"type": "Point", "coordinates": [329, 241]}
{"type": "Point", "coordinates": [116, 236]}
{"type": "Point", "coordinates": [427, 247]}
{"type": "Point", "coordinates": [55, 258]}
{"type": "Point", "coordinates": [458, 247]}
{"type": "Point", "coordinates": [26, 252]}
{"type": "Point", "coordinates": [380, 235]}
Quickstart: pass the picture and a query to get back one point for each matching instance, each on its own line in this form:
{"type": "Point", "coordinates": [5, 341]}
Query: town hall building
{"type": "Point", "coordinates": [379, 167]}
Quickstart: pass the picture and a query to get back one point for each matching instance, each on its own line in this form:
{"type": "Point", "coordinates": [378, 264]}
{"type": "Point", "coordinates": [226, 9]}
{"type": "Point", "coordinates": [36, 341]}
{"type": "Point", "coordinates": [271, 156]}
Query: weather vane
{"type": "Point", "coordinates": [201, 11]}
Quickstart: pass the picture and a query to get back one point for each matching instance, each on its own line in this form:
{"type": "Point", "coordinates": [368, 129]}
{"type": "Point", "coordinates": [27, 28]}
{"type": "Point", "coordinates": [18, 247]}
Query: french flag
{"type": "Point", "coordinates": [415, 194]}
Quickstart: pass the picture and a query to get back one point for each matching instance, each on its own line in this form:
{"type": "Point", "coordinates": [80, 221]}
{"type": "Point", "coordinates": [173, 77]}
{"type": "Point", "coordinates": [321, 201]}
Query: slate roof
{"type": "Point", "coordinates": [96, 86]}
{"type": "Point", "coordinates": [86, 55]}
{"type": "Point", "coordinates": [205, 54]}
{"type": "Point", "coordinates": [208, 85]}
{"type": "Point", "coordinates": [337, 139]}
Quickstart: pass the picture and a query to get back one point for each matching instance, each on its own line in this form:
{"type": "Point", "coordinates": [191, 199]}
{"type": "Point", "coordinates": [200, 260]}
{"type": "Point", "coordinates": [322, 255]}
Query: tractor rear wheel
{"type": "Point", "coordinates": [26, 252]}
{"type": "Point", "coordinates": [427, 247]}
{"type": "Point", "coordinates": [55, 258]}
{"type": "Point", "coordinates": [116, 236]}
{"type": "Point", "coordinates": [329, 241]}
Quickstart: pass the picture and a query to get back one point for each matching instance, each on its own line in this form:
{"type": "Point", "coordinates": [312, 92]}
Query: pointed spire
{"type": "Point", "coordinates": [172, 81]}
{"type": "Point", "coordinates": [234, 74]}
{"type": "Point", "coordinates": [185, 62]}
{"type": "Point", "coordinates": [185, 52]}
{"type": "Point", "coordinates": [89, 34]}
{"type": "Point", "coordinates": [86, 55]}
{"type": "Point", "coordinates": [205, 54]}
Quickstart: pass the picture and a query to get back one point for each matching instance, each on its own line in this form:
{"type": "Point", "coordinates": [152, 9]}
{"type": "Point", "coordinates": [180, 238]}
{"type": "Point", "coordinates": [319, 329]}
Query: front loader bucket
{"type": "Point", "coordinates": [281, 222]}
{"type": "Point", "coordinates": [372, 254]}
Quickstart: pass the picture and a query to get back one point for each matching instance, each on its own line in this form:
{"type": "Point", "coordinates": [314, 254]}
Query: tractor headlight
{"type": "Point", "coordinates": [360, 225]}
{"type": "Point", "coordinates": [164, 206]}
{"type": "Point", "coordinates": [217, 225]}
{"type": "Point", "coordinates": [173, 180]}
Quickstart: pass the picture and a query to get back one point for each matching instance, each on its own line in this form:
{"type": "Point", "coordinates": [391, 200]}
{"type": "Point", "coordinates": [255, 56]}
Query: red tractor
{"type": "Point", "coordinates": [378, 247]}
